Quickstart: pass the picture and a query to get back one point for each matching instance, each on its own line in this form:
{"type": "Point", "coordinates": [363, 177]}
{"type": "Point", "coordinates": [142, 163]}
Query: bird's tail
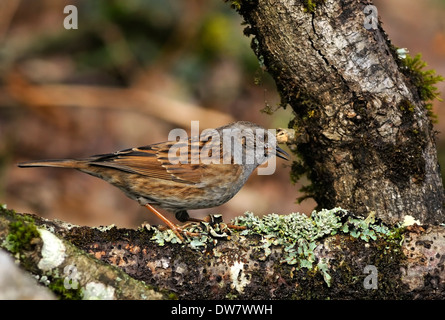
{"type": "Point", "coordinates": [56, 163]}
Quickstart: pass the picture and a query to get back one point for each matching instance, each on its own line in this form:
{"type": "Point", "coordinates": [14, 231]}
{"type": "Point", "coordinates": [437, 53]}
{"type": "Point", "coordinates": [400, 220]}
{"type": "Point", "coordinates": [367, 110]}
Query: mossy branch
{"type": "Point", "coordinates": [276, 257]}
{"type": "Point", "coordinates": [67, 270]}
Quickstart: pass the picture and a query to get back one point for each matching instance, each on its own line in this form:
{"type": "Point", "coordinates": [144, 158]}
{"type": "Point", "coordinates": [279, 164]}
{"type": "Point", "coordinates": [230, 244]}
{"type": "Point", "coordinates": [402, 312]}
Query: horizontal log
{"type": "Point", "coordinates": [407, 263]}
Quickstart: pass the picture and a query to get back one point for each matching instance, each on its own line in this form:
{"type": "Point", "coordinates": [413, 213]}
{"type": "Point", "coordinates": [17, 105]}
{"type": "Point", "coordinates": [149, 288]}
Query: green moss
{"type": "Point", "coordinates": [406, 106]}
{"type": "Point", "coordinates": [172, 296]}
{"type": "Point", "coordinates": [423, 80]}
{"type": "Point", "coordinates": [21, 233]}
{"type": "Point", "coordinates": [311, 5]}
{"type": "Point", "coordinates": [57, 285]}
{"type": "Point", "coordinates": [240, 5]}
{"type": "Point", "coordinates": [236, 5]}
{"type": "Point", "coordinates": [231, 296]}
{"type": "Point", "coordinates": [267, 109]}
{"type": "Point", "coordinates": [5, 211]}
{"type": "Point", "coordinates": [396, 235]}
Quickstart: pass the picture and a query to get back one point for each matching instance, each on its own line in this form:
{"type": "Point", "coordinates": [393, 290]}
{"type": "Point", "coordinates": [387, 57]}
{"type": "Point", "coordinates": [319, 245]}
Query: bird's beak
{"type": "Point", "coordinates": [280, 153]}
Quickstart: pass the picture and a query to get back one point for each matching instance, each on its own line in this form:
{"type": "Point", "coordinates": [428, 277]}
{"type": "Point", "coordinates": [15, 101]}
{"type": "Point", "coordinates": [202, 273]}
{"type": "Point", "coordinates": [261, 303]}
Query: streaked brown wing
{"type": "Point", "coordinates": [153, 161]}
{"type": "Point", "coordinates": [184, 161]}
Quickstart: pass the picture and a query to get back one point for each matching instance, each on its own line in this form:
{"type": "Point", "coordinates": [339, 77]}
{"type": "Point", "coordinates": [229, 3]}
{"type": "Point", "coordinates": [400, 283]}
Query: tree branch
{"type": "Point", "coordinates": [244, 266]}
{"type": "Point", "coordinates": [67, 270]}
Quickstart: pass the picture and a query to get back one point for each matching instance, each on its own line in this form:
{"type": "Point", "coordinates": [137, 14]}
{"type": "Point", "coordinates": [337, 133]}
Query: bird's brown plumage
{"type": "Point", "coordinates": [178, 180]}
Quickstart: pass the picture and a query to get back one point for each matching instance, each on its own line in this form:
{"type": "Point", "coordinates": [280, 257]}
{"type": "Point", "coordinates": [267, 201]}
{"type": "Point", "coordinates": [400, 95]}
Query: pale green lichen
{"type": "Point", "coordinates": [293, 227]}
{"type": "Point", "coordinates": [197, 236]}
{"type": "Point", "coordinates": [298, 234]}
{"type": "Point", "coordinates": [365, 229]}
{"type": "Point", "coordinates": [162, 237]}
{"type": "Point", "coordinates": [323, 268]}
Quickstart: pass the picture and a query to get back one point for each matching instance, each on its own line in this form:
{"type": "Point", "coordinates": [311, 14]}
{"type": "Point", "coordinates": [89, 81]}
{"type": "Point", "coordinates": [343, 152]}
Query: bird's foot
{"type": "Point", "coordinates": [213, 219]}
{"type": "Point", "coordinates": [179, 231]}
{"type": "Point", "coordinates": [212, 225]}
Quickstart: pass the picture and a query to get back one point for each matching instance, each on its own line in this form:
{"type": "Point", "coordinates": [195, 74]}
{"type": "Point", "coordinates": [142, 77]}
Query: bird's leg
{"type": "Point", "coordinates": [213, 219]}
{"type": "Point", "coordinates": [176, 229]}
{"type": "Point", "coordinates": [235, 227]}
{"type": "Point", "coordinates": [183, 216]}
{"type": "Point", "coordinates": [170, 224]}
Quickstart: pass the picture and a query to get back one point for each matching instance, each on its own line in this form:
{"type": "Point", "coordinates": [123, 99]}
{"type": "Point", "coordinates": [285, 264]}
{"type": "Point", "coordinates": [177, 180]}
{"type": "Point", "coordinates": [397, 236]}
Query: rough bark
{"type": "Point", "coordinates": [236, 267]}
{"type": "Point", "coordinates": [64, 268]}
{"type": "Point", "coordinates": [366, 140]}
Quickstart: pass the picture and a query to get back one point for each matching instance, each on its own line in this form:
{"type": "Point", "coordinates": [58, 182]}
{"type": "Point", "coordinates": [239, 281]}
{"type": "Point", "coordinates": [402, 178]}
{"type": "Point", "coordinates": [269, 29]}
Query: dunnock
{"type": "Point", "coordinates": [196, 173]}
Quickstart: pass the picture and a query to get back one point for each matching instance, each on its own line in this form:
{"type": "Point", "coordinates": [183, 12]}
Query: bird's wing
{"type": "Point", "coordinates": [155, 161]}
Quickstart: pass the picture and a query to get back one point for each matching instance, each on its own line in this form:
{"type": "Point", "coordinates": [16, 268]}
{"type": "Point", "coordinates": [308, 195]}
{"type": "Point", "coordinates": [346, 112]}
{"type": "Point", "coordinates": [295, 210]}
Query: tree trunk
{"type": "Point", "coordinates": [366, 141]}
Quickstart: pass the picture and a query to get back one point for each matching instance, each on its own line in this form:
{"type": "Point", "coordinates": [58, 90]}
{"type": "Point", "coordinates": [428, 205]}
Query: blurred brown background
{"type": "Point", "coordinates": [131, 72]}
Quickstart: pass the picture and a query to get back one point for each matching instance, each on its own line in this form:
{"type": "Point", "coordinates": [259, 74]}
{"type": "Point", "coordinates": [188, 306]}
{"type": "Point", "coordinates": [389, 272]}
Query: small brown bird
{"type": "Point", "coordinates": [194, 173]}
